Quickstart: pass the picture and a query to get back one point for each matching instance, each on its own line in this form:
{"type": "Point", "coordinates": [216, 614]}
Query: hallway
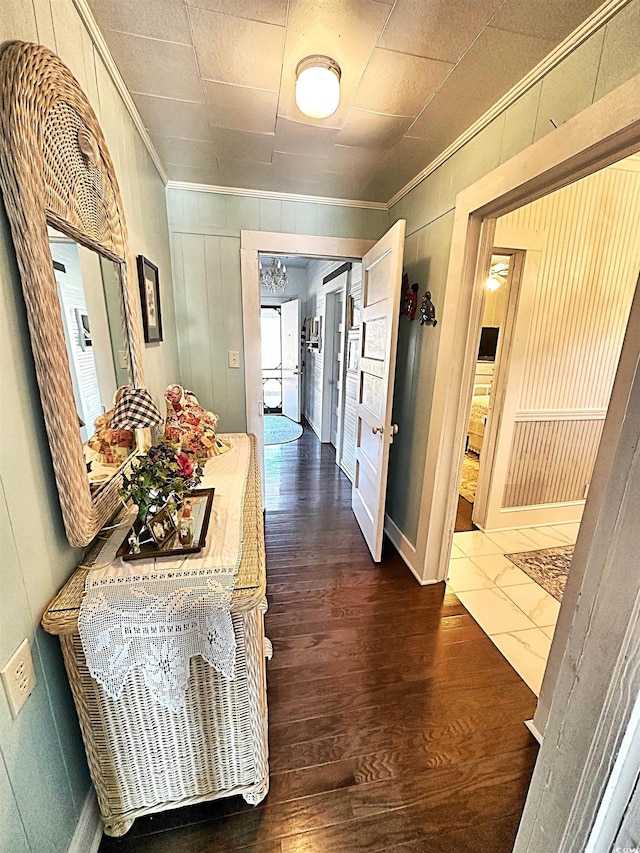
{"type": "Point", "coordinates": [395, 723]}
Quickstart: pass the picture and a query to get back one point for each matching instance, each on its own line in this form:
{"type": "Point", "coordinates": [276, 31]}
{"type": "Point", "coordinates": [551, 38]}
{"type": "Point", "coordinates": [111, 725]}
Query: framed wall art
{"type": "Point", "coordinates": [150, 300]}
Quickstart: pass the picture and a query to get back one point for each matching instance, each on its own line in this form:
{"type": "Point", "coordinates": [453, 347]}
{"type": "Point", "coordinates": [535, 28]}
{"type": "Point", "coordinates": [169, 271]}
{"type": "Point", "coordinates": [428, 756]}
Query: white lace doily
{"type": "Point", "coordinates": [156, 615]}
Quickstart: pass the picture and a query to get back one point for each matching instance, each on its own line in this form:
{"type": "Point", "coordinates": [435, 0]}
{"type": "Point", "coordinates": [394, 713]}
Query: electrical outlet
{"type": "Point", "coordinates": [123, 359]}
{"type": "Point", "coordinates": [234, 358]}
{"type": "Point", "coordinates": [19, 678]}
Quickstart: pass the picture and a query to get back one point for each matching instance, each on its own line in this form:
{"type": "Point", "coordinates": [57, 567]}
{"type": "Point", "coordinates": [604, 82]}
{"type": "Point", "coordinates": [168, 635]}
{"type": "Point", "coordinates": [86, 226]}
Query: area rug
{"type": "Point", "coordinates": [278, 429]}
{"type": "Point", "coordinates": [548, 567]}
{"type": "Point", "coordinates": [469, 476]}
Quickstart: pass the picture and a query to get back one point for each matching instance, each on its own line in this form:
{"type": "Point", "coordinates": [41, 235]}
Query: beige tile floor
{"type": "Point", "coordinates": [516, 613]}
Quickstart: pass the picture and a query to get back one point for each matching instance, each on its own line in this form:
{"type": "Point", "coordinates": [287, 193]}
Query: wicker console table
{"type": "Point", "coordinates": [144, 758]}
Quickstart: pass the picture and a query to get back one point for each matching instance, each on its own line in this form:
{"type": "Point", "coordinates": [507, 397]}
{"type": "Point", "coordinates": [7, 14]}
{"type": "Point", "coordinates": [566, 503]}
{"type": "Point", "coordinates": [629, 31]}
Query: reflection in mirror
{"type": "Point", "coordinates": [89, 292]}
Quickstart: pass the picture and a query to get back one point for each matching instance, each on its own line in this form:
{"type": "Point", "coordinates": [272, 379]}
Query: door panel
{"type": "Point", "coordinates": [381, 290]}
{"type": "Point", "coordinates": [291, 325]}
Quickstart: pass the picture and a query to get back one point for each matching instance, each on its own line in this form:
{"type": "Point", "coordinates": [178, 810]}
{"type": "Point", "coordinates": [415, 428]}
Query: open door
{"type": "Point", "coordinates": [381, 286]}
{"type": "Point", "coordinates": [291, 325]}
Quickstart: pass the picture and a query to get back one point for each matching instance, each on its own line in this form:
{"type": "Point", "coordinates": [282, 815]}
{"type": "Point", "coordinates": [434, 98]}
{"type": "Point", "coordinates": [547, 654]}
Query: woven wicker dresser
{"type": "Point", "coordinates": [144, 758]}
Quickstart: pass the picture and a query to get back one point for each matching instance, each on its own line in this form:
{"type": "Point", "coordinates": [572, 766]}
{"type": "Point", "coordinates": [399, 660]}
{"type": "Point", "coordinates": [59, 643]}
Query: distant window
{"type": "Point", "coordinates": [488, 343]}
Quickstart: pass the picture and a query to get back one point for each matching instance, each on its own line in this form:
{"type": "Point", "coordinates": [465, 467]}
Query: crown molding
{"type": "Point", "coordinates": [314, 199]}
{"type": "Point", "coordinates": [105, 55]}
{"type": "Point", "coordinates": [586, 29]}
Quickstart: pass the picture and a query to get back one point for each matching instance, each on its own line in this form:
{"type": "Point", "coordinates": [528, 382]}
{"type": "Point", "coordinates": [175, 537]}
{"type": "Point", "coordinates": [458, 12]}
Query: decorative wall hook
{"type": "Point", "coordinates": [428, 311]}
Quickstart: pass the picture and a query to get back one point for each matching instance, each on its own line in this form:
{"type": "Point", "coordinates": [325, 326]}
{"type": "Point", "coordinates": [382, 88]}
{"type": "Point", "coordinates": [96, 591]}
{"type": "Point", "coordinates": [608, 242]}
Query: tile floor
{"type": "Point", "coordinates": [516, 613]}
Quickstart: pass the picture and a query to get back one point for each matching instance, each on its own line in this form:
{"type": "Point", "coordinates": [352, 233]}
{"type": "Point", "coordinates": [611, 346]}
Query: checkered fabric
{"type": "Point", "coordinates": [135, 409]}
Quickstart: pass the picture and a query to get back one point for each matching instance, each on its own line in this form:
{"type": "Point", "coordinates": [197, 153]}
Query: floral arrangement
{"type": "Point", "coordinates": [159, 479]}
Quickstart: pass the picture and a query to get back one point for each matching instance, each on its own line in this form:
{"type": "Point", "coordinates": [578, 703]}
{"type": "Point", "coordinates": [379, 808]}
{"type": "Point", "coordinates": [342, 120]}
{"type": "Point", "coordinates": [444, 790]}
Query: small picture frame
{"type": "Point", "coordinates": [150, 300]}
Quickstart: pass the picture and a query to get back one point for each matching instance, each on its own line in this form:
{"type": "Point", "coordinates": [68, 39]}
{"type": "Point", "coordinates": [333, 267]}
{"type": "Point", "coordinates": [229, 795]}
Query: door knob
{"type": "Point", "coordinates": [375, 429]}
{"type": "Point", "coordinates": [394, 429]}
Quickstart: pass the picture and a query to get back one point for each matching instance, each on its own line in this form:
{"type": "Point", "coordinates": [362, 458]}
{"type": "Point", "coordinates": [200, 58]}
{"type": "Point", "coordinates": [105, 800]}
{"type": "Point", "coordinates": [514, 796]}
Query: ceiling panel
{"type": "Point", "coordinates": [214, 82]}
{"type": "Point", "coordinates": [365, 129]}
{"type": "Point", "coordinates": [240, 108]}
{"type": "Point", "coordinates": [539, 18]}
{"type": "Point", "coordinates": [247, 53]}
{"type": "Point", "coordinates": [295, 137]}
{"type": "Point", "coordinates": [267, 11]}
{"type": "Point", "coordinates": [181, 119]}
{"type": "Point", "coordinates": [152, 67]}
{"type": "Point", "coordinates": [495, 63]}
{"type": "Point", "coordinates": [438, 29]}
{"type": "Point", "coordinates": [166, 20]}
{"type": "Point", "coordinates": [399, 84]}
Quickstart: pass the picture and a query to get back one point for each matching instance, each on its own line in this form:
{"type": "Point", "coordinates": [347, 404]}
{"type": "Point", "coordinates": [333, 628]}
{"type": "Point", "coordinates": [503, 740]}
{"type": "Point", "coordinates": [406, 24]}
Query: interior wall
{"type": "Point", "coordinates": [605, 60]}
{"type": "Point", "coordinates": [586, 281]}
{"type": "Point", "coordinates": [43, 773]}
{"type": "Point", "coordinates": [205, 237]}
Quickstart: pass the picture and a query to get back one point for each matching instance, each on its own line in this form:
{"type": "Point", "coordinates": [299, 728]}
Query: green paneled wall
{"type": "Point", "coordinates": [608, 58]}
{"type": "Point", "coordinates": [205, 238]}
{"type": "Point", "coordinates": [43, 773]}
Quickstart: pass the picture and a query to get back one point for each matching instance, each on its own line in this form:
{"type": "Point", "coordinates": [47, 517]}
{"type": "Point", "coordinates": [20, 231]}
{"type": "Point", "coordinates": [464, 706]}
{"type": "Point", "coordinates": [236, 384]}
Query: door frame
{"type": "Point", "coordinates": [331, 320]}
{"type": "Point", "coordinates": [272, 242]}
{"type": "Point", "coordinates": [602, 134]}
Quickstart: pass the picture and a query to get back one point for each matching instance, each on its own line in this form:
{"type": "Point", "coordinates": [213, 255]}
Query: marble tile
{"type": "Point", "coordinates": [567, 531]}
{"type": "Point", "coordinates": [464, 574]}
{"type": "Point", "coordinates": [501, 570]}
{"type": "Point", "coordinates": [549, 630]}
{"type": "Point", "coordinates": [494, 611]}
{"type": "Point", "coordinates": [544, 537]}
{"type": "Point", "coordinates": [512, 541]}
{"type": "Point", "coordinates": [527, 652]}
{"type": "Point", "coordinates": [475, 543]}
{"type": "Point", "coordinates": [536, 603]}
{"type": "Point", "coordinates": [456, 552]}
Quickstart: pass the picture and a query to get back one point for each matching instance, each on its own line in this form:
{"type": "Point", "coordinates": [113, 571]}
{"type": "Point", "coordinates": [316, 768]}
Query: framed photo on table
{"type": "Point", "coordinates": [150, 300]}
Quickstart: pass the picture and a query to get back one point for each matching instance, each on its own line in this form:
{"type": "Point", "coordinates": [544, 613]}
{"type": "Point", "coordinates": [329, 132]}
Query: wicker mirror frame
{"type": "Point", "coordinates": [55, 169]}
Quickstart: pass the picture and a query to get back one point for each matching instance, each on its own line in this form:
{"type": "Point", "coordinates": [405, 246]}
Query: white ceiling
{"type": "Point", "coordinates": [214, 83]}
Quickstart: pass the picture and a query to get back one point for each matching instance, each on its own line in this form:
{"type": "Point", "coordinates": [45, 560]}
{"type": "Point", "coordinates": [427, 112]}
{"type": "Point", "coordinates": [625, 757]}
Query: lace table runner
{"type": "Point", "coordinates": [155, 615]}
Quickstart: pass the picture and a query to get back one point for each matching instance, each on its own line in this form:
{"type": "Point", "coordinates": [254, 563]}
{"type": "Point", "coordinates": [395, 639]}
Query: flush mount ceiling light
{"type": "Point", "coordinates": [318, 86]}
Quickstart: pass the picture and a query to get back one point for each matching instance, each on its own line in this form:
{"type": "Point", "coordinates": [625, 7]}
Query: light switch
{"type": "Point", "coordinates": [234, 358]}
{"type": "Point", "coordinates": [123, 359]}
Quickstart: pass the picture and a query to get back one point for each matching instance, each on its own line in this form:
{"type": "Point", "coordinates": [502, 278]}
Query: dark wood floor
{"type": "Point", "coordinates": [395, 723]}
{"type": "Point", "coordinates": [463, 516]}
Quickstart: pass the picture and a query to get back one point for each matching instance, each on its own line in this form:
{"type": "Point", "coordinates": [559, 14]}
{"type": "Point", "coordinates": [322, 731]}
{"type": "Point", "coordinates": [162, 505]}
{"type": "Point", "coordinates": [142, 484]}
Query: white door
{"type": "Point", "coordinates": [336, 370]}
{"type": "Point", "coordinates": [381, 286]}
{"type": "Point", "coordinates": [291, 325]}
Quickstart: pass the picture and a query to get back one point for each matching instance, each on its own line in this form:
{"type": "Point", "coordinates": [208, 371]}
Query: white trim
{"type": "Point", "coordinates": [537, 515]}
{"type": "Point", "coordinates": [533, 729]}
{"type": "Point", "coordinates": [561, 415]}
{"type": "Point", "coordinates": [104, 53]}
{"type": "Point", "coordinates": [402, 545]}
{"type": "Point", "coordinates": [88, 834]}
{"type": "Point", "coordinates": [314, 199]}
{"type": "Point", "coordinates": [586, 29]}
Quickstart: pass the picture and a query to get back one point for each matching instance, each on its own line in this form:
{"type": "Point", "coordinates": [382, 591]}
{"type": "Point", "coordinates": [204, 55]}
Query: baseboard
{"type": "Point", "coordinates": [534, 731]}
{"type": "Point", "coordinates": [88, 834]}
{"type": "Point", "coordinates": [406, 550]}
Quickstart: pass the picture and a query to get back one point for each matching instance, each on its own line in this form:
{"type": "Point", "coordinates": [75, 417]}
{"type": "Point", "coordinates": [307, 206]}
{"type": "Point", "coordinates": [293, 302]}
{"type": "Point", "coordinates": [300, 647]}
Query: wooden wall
{"type": "Point", "coordinates": [589, 267]}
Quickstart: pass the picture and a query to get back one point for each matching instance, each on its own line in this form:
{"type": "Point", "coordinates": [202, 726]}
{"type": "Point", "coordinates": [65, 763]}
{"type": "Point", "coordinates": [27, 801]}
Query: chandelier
{"type": "Point", "coordinates": [273, 277]}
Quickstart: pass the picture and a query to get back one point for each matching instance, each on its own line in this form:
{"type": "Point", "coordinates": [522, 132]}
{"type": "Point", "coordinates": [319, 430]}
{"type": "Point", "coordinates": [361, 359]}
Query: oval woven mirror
{"type": "Point", "coordinates": [60, 190]}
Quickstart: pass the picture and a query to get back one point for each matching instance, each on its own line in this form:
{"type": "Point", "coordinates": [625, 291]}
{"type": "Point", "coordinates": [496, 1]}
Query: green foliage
{"type": "Point", "coordinates": [160, 478]}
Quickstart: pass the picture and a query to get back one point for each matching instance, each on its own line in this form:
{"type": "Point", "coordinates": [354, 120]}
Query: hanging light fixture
{"type": "Point", "coordinates": [318, 86]}
{"type": "Point", "coordinates": [273, 277]}
{"type": "Point", "coordinates": [497, 275]}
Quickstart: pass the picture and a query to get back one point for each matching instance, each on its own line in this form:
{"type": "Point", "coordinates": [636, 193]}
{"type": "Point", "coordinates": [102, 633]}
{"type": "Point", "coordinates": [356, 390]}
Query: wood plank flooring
{"type": "Point", "coordinates": [395, 723]}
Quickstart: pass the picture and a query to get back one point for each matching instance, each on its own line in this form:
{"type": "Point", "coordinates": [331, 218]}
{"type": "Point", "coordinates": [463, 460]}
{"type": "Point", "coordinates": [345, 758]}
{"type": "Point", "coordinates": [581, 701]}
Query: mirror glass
{"type": "Point", "coordinates": [90, 297]}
